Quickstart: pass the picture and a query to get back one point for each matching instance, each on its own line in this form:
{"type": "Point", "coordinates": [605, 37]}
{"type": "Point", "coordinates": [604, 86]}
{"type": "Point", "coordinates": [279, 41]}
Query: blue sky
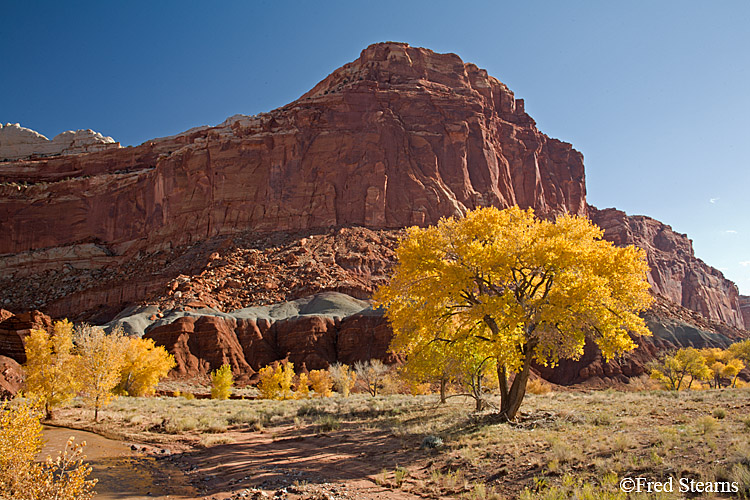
{"type": "Point", "coordinates": [655, 94]}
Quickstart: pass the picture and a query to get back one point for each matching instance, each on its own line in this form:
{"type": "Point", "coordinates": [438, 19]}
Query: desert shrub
{"type": "Point", "coordinates": [243, 417]}
{"type": "Point", "coordinates": [706, 425]}
{"type": "Point", "coordinates": [430, 442]}
{"type": "Point", "coordinates": [538, 386]}
{"type": "Point", "coordinates": [719, 413]}
{"type": "Point", "coordinates": [275, 381]}
{"type": "Point", "coordinates": [740, 474]}
{"type": "Point", "coordinates": [327, 423]}
{"type": "Point", "coordinates": [370, 374]}
{"type": "Point", "coordinates": [309, 409]}
{"type": "Point", "coordinates": [343, 378]}
{"type": "Point", "coordinates": [188, 395]}
{"type": "Point", "coordinates": [221, 382]}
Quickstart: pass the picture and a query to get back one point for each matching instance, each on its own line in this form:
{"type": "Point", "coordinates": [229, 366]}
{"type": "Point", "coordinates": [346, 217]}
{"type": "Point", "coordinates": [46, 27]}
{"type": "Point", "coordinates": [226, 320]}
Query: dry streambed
{"type": "Point", "coordinates": [362, 447]}
{"type": "Point", "coordinates": [121, 471]}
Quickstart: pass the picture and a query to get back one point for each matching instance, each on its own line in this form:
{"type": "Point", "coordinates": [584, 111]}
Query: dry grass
{"type": "Point", "coordinates": [563, 445]}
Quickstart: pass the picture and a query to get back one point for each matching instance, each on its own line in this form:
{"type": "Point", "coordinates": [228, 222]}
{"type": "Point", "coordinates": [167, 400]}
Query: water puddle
{"type": "Point", "coordinates": [123, 474]}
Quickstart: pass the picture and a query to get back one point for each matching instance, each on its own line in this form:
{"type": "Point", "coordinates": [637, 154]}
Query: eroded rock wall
{"type": "Point", "coordinates": [401, 136]}
{"type": "Point", "coordinates": [676, 273]}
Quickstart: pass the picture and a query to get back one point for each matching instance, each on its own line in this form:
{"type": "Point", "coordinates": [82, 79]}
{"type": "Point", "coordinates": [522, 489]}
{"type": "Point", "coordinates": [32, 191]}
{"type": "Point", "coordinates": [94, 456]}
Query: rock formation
{"type": "Point", "coordinates": [313, 332]}
{"type": "Point", "coordinates": [17, 142]}
{"type": "Point", "coordinates": [308, 198]}
{"type": "Point", "coordinates": [13, 329]}
{"type": "Point", "coordinates": [745, 310]}
{"type": "Point", "coordinates": [675, 271]}
{"type": "Point", "coordinates": [401, 136]}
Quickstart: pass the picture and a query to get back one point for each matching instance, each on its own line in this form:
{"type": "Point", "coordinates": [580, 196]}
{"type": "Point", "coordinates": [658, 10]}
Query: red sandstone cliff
{"type": "Point", "coordinates": [400, 136]}
{"type": "Point", "coordinates": [676, 273]}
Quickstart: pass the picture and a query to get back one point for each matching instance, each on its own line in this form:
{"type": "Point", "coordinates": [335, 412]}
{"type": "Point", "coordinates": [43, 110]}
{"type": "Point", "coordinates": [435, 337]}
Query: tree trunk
{"type": "Point", "coordinates": [47, 411]}
{"type": "Point", "coordinates": [518, 387]}
{"type": "Point", "coordinates": [96, 409]}
{"type": "Point", "coordinates": [502, 377]}
{"type": "Point", "coordinates": [478, 393]}
{"type": "Point", "coordinates": [442, 390]}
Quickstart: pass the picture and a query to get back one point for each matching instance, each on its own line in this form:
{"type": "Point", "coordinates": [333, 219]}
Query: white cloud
{"type": "Point", "coordinates": [730, 231]}
{"type": "Point", "coordinates": [714, 200]}
{"type": "Point", "coordinates": [745, 263]}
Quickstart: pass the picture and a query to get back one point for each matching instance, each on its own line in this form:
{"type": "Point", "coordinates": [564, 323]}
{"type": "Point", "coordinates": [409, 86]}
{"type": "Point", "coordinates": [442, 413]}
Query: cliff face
{"type": "Point", "coordinates": [745, 310]}
{"type": "Point", "coordinates": [400, 136]}
{"type": "Point", "coordinates": [676, 273]}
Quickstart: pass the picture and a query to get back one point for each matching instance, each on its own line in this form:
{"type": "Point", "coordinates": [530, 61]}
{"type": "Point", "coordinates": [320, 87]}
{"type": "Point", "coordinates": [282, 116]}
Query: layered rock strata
{"type": "Point", "coordinates": [400, 136]}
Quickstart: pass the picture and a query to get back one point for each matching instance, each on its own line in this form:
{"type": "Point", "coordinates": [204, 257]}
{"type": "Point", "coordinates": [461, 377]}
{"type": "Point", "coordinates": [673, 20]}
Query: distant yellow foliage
{"type": "Point", "coordinates": [343, 378]}
{"type": "Point", "coordinates": [145, 365]}
{"type": "Point", "coordinates": [221, 382]}
{"type": "Point", "coordinates": [321, 383]}
{"type": "Point", "coordinates": [302, 388]}
{"type": "Point", "coordinates": [275, 381]}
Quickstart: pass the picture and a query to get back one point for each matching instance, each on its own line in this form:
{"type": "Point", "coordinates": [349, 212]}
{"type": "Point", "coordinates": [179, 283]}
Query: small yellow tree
{"type": "Point", "coordinates": [724, 364]}
{"type": "Point", "coordinates": [302, 387]}
{"type": "Point", "coordinates": [275, 380]}
{"type": "Point", "coordinates": [221, 382]}
{"type": "Point", "coordinates": [21, 477]}
{"type": "Point", "coordinates": [321, 383]}
{"type": "Point", "coordinates": [100, 359]}
{"type": "Point", "coordinates": [732, 370]}
{"type": "Point", "coordinates": [145, 365]}
{"type": "Point", "coordinates": [50, 366]}
{"type": "Point", "coordinates": [343, 378]}
{"type": "Point", "coordinates": [673, 368]}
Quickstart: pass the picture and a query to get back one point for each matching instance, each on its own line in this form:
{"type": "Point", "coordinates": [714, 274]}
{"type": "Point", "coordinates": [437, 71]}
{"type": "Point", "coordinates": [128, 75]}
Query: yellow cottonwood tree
{"type": "Point", "coordinates": [518, 288]}
{"type": "Point", "coordinates": [50, 366]}
{"type": "Point", "coordinates": [145, 364]}
{"type": "Point", "coordinates": [221, 382]}
{"type": "Point", "coordinates": [672, 369]}
{"type": "Point", "coordinates": [21, 476]}
{"type": "Point", "coordinates": [321, 382]}
{"type": "Point", "coordinates": [101, 357]}
{"type": "Point", "coordinates": [275, 380]}
{"type": "Point", "coordinates": [302, 387]}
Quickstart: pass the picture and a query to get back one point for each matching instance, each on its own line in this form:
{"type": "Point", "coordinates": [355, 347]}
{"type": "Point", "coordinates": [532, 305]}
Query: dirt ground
{"type": "Point", "coordinates": [564, 445]}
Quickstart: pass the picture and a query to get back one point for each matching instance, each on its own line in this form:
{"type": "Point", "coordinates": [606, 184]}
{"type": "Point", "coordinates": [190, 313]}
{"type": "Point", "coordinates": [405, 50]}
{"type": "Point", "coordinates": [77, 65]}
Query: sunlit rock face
{"type": "Point", "coordinates": [675, 272]}
{"type": "Point", "coordinates": [401, 136]}
{"type": "Point", "coordinates": [17, 142]}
